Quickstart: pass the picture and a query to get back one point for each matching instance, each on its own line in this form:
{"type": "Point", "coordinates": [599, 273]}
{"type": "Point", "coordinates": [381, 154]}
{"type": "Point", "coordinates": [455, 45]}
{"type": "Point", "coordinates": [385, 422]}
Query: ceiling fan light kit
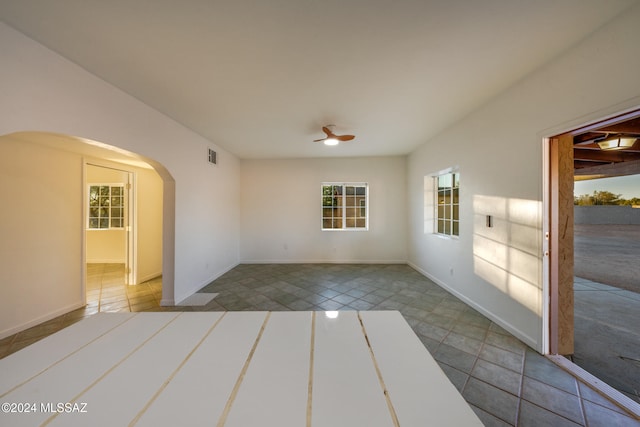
{"type": "Point", "coordinates": [333, 139]}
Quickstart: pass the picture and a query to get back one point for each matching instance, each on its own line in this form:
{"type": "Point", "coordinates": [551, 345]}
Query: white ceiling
{"type": "Point", "coordinates": [260, 78]}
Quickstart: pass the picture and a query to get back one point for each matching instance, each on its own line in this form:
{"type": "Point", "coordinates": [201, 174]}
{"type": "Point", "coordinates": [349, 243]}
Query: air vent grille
{"type": "Point", "coordinates": [213, 157]}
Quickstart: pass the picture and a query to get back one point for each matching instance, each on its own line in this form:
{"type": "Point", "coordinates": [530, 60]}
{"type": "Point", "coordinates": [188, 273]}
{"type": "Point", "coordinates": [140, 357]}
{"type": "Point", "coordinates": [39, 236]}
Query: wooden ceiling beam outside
{"type": "Point", "coordinates": [610, 169]}
{"type": "Point", "coordinates": [589, 159]}
{"type": "Point", "coordinates": [611, 156]}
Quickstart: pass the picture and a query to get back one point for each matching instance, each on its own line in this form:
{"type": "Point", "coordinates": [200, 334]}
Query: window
{"type": "Point", "coordinates": [344, 206]}
{"type": "Point", "coordinates": [106, 206]}
{"type": "Point", "coordinates": [447, 215]}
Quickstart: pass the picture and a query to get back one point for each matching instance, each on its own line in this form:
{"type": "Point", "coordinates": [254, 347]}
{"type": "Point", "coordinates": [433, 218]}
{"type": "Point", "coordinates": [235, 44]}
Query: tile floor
{"type": "Point", "coordinates": [106, 292]}
{"type": "Point", "coordinates": [504, 381]}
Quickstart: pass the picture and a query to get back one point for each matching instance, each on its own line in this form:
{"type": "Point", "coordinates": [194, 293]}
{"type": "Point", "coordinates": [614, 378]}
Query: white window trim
{"type": "Point", "coordinates": [344, 213]}
{"type": "Point", "coordinates": [88, 206]}
{"type": "Point", "coordinates": [434, 176]}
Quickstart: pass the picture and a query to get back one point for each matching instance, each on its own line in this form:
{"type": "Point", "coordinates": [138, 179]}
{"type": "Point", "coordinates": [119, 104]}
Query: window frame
{"type": "Point", "coordinates": [110, 218]}
{"type": "Point", "coordinates": [357, 207]}
{"type": "Point", "coordinates": [446, 215]}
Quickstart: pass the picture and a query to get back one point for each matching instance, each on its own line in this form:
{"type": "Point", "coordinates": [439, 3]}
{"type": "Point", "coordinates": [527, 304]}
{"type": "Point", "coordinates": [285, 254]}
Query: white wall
{"type": "Point", "coordinates": [41, 239]}
{"type": "Point", "coordinates": [106, 246]}
{"type": "Point", "coordinates": [41, 91]}
{"type": "Point", "coordinates": [149, 224]}
{"type": "Point", "coordinates": [499, 151]}
{"type": "Point", "coordinates": [281, 211]}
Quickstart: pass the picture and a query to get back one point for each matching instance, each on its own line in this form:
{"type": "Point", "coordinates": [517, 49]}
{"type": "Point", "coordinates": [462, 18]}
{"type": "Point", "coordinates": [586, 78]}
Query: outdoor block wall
{"type": "Point", "coordinates": [622, 215]}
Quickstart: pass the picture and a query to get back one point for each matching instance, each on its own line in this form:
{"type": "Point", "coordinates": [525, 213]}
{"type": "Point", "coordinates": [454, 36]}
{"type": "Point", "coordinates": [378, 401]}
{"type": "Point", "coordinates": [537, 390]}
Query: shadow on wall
{"type": "Point", "coordinates": [506, 247]}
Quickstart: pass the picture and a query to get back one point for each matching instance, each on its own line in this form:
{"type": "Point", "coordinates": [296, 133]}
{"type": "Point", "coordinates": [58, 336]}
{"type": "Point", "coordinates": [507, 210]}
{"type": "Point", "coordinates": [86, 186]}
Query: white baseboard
{"type": "Point", "coordinates": [51, 315]}
{"type": "Point", "coordinates": [106, 261]}
{"type": "Point", "coordinates": [148, 277]}
{"type": "Point", "coordinates": [530, 341]}
{"type": "Point", "coordinates": [322, 261]}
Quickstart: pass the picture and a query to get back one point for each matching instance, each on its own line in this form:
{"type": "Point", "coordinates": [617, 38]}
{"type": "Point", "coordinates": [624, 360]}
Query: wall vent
{"type": "Point", "coordinates": [213, 157]}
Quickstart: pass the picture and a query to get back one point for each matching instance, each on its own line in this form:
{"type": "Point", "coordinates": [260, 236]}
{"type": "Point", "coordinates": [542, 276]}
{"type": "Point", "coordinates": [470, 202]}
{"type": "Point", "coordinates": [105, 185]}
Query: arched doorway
{"type": "Point", "coordinates": [44, 228]}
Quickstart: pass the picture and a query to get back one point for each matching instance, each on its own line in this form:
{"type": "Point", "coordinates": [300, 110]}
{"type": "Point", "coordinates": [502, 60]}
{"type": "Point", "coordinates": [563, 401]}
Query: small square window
{"type": "Point", "coordinates": [344, 206]}
{"type": "Point", "coordinates": [106, 206]}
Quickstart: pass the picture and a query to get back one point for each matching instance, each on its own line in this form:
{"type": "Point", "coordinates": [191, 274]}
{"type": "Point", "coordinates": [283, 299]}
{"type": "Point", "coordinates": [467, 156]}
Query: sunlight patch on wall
{"type": "Point", "coordinates": [524, 292]}
{"type": "Point", "coordinates": [506, 247]}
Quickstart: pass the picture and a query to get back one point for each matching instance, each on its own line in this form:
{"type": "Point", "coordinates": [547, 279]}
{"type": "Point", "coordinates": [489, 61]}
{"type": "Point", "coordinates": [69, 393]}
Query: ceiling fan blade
{"type": "Point", "coordinates": [344, 137]}
{"type": "Point", "coordinates": [333, 137]}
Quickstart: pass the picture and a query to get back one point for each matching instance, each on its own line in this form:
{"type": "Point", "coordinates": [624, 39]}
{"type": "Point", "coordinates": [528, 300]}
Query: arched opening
{"type": "Point", "coordinates": [44, 223]}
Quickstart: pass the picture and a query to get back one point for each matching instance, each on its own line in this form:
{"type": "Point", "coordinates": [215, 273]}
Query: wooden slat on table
{"type": "Point", "coordinates": [198, 393]}
{"type": "Point", "coordinates": [346, 391]}
{"type": "Point", "coordinates": [37, 357]}
{"type": "Point", "coordinates": [64, 380]}
{"type": "Point", "coordinates": [419, 390]}
{"type": "Point", "coordinates": [274, 389]}
{"type": "Point", "coordinates": [117, 397]}
{"type": "Point", "coordinates": [235, 369]}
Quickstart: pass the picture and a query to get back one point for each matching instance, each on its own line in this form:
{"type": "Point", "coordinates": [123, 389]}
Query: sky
{"type": "Point", "coordinates": [627, 186]}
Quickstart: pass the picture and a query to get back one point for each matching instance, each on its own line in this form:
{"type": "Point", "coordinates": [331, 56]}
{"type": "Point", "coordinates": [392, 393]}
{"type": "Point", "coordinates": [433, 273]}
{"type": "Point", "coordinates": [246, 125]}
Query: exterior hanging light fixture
{"type": "Point", "coordinates": [616, 142]}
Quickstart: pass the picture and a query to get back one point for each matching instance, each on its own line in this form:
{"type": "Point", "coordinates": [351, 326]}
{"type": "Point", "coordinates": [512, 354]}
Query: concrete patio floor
{"type": "Point", "coordinates": [607, 304]}
{"type": "Point", "coordinates": [609, 254]}
{"type": "Point", "coordinates": [607, 334]}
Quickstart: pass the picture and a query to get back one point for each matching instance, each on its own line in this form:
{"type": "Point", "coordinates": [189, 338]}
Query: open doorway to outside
{"type": "Point", "coordinates": [594, 250]}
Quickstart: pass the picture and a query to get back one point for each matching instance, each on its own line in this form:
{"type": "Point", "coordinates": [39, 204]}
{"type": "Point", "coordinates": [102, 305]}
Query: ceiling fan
{"type": "Point", "coordinates": [333, 139]}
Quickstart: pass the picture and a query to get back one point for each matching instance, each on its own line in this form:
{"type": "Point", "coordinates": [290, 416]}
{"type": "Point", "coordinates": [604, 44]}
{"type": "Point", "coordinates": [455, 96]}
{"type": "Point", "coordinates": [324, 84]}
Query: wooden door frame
{"type": "Point", "coordinates": [559, 244]}
{"type": "Point", "coordinates": [131, 230]}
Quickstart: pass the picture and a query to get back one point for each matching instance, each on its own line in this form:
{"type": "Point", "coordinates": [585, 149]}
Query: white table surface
{"type": "Point", "coordinates": [231, 369]}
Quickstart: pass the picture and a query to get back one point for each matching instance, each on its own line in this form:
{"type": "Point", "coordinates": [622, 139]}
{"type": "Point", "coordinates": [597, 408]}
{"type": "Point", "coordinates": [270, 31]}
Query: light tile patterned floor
{"type": "Point", "coordinates": [504, 381]}
{"type": "Point", "coordinates": [106, 291]}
